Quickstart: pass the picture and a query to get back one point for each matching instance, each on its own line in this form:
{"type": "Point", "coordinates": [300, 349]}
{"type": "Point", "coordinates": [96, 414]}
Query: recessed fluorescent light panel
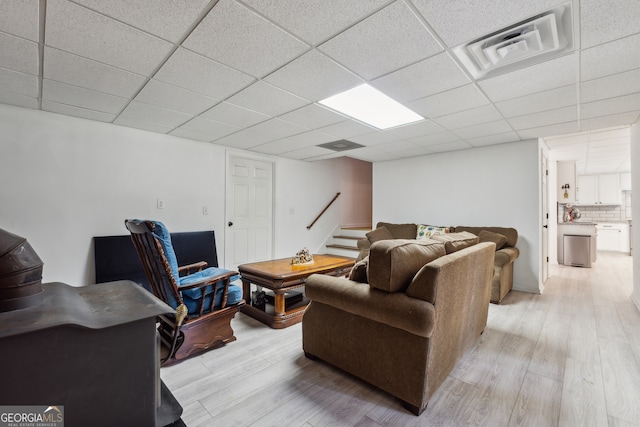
{"type": "Point", "coordinates": [372, 107]}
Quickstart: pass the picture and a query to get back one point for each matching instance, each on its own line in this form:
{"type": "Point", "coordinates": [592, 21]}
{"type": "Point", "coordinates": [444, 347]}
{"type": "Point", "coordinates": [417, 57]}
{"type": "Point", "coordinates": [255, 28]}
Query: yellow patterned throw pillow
{"type": "Point", "coordinates": [426, 231]}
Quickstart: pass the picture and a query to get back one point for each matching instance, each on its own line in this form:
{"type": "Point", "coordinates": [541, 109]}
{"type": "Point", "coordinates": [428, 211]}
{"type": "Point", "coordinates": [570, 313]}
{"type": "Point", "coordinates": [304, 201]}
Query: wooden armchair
{"type": "Point", "coordinates": [204, 300]}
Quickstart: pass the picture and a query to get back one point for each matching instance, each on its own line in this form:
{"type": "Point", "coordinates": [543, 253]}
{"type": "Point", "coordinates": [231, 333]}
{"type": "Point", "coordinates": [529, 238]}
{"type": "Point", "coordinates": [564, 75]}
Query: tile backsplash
{"type": "Point", "coordinates": [603, 213]}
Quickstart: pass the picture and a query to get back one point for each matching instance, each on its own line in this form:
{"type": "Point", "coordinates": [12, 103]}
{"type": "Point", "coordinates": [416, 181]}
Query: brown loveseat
{"type": "Point", "coordinates": [505, 239]}
{"type": "Point", "coordinates": [406, 329]}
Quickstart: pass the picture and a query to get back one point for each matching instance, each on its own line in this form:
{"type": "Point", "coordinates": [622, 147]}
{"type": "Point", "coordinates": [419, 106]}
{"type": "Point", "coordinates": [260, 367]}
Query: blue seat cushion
{"type": "Point", "coordinates": [162, 234]}
{"type": "Point", "coordinates": [192, 297]}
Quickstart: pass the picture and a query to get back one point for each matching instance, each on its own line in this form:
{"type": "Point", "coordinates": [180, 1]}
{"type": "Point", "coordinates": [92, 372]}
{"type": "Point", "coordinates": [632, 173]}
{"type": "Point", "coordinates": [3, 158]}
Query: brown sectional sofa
{"type": "Point", "coordinates": [403, 331]}
{"type": "Point", "coordinates": [507, 252]}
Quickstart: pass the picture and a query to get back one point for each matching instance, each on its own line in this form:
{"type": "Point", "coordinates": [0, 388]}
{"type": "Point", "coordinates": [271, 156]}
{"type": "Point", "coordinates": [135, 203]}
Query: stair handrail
{"type": "Point", "coordinates": [323, 211]}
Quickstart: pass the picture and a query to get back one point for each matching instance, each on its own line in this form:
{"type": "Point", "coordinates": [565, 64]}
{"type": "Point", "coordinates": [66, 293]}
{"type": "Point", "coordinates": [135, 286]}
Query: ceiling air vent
{"type": "Point", "coordinates": [341, 145]}
{"type": "Point", "coordinates": [537, 39]}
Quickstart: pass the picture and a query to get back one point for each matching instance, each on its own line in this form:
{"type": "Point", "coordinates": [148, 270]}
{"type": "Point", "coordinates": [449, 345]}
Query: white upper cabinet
{"type": "Point", "coordinates": [599, 189]}
{"type": "Point", "coordinates": [625, 181]}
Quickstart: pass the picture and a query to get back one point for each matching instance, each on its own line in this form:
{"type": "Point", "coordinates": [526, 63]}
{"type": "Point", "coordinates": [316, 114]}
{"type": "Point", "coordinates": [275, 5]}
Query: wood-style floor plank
{"type": "Point", "coordinates": [569, 357]}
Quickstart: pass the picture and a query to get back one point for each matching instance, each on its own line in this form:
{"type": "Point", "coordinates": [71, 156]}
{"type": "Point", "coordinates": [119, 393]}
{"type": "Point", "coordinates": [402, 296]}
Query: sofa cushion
{"type": "Point", "coordinates": [393, 263]}
{"type": "Point", "coordinates": [424, 231]}
{"type": "Point", "coordinates": [399, 231]}
{"type": "Point", "coordinates": [359, 271]}
{"type": "Point", "coordinates": [381, 233]}
{"type": "Point", "coordinates": [490, 236]}
{"type": "Point", "coordinates": [453, 242]}
{"type": "Point", "coordinates": [510, 233]}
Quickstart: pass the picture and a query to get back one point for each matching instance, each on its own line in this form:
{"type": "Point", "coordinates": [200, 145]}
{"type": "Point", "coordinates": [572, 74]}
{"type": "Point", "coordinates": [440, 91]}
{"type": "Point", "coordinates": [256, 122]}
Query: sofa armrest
{"type": "Point", "coordinates": [506, 255]}
{"type": "Point", "coordinates": [394, 309]}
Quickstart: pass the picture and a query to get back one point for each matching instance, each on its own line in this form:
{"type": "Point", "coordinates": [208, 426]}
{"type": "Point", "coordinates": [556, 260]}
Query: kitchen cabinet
{"type": "Point", "coordinates": [613, 237]}
{"type": "Point", "coordinates": [566, 176]}
{"type": "Point", "coordinates": [625, 181]}
{"type": "Point", "coordinates": [599, 189]}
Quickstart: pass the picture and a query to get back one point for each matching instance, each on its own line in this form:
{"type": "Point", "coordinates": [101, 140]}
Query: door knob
{"type": "Point", "coordinates": [230, 223]}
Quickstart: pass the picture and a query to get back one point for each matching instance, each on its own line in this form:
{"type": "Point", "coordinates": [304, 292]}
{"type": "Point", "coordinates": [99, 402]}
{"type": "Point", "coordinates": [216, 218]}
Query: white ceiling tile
{"type": "Point", "coordinates": [435, 139]}
{"type": "Point", "coordinates": [195, 72]}
{"type": "Point", "coordinates": [20, 18]}
{"type": "Point", "coordinates": [204, 130]}
{"type": "Point", "coordinates": [84, 113]}
{"type": "Point", "coordinates": [138, 111]}
{"type": "Point", "coordinates": [262, 133]}
{"type": "Point", "coordinates": [606, 107]}
{"type": "Point", "coordinates": [610, 58]}
{"type": "Point", "coordinates": [451, 101]}
{"type": "Point", "coordinates": [314, 21]}
{"type": "Point", "coordinates": [63, 93]}
{"type": "Point", "coordinates": [433, 75]}
{"type": "Point", "coordinates": [462, 21]}
{"type": "Point", "coordinates": [604, 21]}
{"type": "Point", "coordinates": [371, 154]}
{"type": "Point", "coordinates": [302, 140]}
{"type": "Point", "coordinates": [475, 116]}
{"type": "Point", "coordinates": [619, 133]}
{"type": "Point", "coordinates": [450, 146]}
{"type": "Point", "coordinates": [551, 130]}
{"type": "Point", "coordinates": [609, 121]}
{"type": "Point", "coordinates": [413, 130]}
{"type": "Point", "coordinates": [493, 128]}
{"type": "Point", "coordinates": [610, 86]}
{"type": "Point", "coordinates": [313, 76]}
{"type": "Point", "coordinates": [78, 71]}
{"type": "Point", "coordinates": [169, 19]}
{"type": "Point", "coordinates": [538, 102]}
{"type": "Point", "coordinates": [378, 45]}
{"type": "Point", "coordinates": [18, 83]}
{"type": "Point", "coordinates": [174, 98]}
{"type": "Point", "coordinates": [234, 115]}
{"type": "Point", "coordinates": [78, 30]}
{"type": "Point", "coordinates": [267, 99]}
{"type": "Point", "coordinates": [536, 78]}
{"type": "Point", "coordinates": [144, 125]}
{"type": "Point", "coordinates": [545, 118]}
{"type": "Point", "coordinates": [18, 54]}
{"type": "Point", "coordinates": [306, 153]}
{"type": "Point", "coordinates": [374, 138]}
{"type": "Point", "coordinates": [237, 37]}
{"type": "Point", "coordinates": [494, 139]}
{"type": "Point", "coordinates": [313, 116]}
{"type": "Point", "coordinates": [18, 100]}
{"type": "Point", "coordinates": [398, 146]}
{"type": "Point", "coordinates": [413, 152]}
{"type": "Point", "coordinates": [347, 129]}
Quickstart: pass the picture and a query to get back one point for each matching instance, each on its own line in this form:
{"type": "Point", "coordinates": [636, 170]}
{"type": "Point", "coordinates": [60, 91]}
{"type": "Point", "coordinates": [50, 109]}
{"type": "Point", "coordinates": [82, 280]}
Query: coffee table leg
{"type": "Point", "coordinates": [278, 306]}
{"type": "Point", "coordinates": [246, 291]}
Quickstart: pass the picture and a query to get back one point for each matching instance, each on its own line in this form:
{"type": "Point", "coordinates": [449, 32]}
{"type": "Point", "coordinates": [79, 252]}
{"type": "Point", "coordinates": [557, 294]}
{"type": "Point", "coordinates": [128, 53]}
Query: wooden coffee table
{"type": "Point", "coordinates": [281, 277]}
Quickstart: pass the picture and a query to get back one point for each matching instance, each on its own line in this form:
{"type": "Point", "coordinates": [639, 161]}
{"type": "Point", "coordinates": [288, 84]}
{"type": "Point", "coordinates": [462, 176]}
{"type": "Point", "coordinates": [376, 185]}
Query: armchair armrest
{"type": "Point", "coordinates": [394, 309]}
{"type": "Point", "coordinates": [506, 255]}
{"type": "Point", "coordinates": [205, 281]}
{"type": "Point", "coordinates": [197, 266]}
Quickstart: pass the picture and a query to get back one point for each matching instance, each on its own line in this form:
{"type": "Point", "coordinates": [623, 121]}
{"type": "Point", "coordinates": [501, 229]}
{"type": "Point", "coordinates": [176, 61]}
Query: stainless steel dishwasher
{"type": "Point", "coordinates": [577, 250]}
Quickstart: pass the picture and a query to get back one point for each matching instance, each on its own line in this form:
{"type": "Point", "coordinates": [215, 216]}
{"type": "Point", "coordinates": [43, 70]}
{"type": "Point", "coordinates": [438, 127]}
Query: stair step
{"type": "Point", "coordinates": [336, 246]}
{"type": "Point", "coordinates": [342, 236]}
{"type": "Point", "coordinates": [359, 232]}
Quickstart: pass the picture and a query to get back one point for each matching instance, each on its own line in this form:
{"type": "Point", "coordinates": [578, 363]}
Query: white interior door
{"type": "Point", "coordinates": [249, 213]}
{"type": "Point", "coordinates": [545, 219]}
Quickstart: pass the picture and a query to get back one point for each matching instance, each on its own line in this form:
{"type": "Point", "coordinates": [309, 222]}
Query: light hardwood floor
{"type": "Point", "coordinates": [568, 357]}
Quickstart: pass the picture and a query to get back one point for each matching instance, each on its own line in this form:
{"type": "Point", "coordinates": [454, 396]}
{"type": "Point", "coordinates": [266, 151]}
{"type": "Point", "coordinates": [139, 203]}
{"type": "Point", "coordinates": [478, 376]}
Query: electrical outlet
{"type": "Point", "coordinates": [205, 210]}
{"type": "Point", "coordinates": [160, 204]}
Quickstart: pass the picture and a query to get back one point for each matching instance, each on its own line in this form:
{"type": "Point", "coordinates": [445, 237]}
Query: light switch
{"type": "Point", "coordinates": [160, 204]}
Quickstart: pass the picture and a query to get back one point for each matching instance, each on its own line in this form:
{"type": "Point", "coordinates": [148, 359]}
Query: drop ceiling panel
{"type": "Point", "coordinates": [18, 83]}
{"type": "Point", "coordinates": [70, 110]}
{"type": "Point", "coordinates": [375, 138]}
{"type": "Point", "coordinates": [78, 30]}
{"type": "Point", "coordinates": [452, 101]}
{"type": "Point", "coordinates": [347, 129]}
{"type": "Point", "coordinates": [545, 118]}
{"type": "Point", "coordinates": [493, 139]}
{"type": "Point", "coordinates": [609, 121]}
{"type": "Point", "coordinates": [78, 71]}
{"type": "Point", "coordinates": [450, 146]}
{"type": "Point", "coordinates": [610, 86]}
{"type": "Point", "coordinates": [63, 93]}
{"type": "Point", "coordinates": [268, 131]}
{"type": "Point", "coordinates": [378, 45]}
{"type": "Point", "coordinates": [18, 100]}
{"type": "Point", "coordinates": [239, 38]}
{"type": "Point", "coordinates": [174, 98]}
{"type": "Point", "coordinates": [314, 21]}
{"type": "Point", "coordinates": [620, 104]}
{"type": "Point", "coordinates": [18, 54]}
{"type": "Point", "coordinates": [462, 21]}
{"type": "Point", "coordinates": [539, 102]}
{"type": "Point", "coordinates": [610, 58]}
{"type": "Point", "coordinates": [371, 154]}
{"type": "Point", "coordinates": [137, 111]}
{"type": "Point", "coordinates": [168, 19]}
{"type": "Point", "coordinates": [604, 21]}
{"type": "Point", "coordinates": [409, 83]}
{"type": "Point", "coordinates": [306, 153]}
{"type": "Point", "coordinates": [267, 99]}
{"type": "Point", "coordinates": [195, 72]}
{"type": "Point", "coordinates": [204, 130]}
{"type": "Point", "coordinates": [302, 140]}
{"type": "Point", "coordinates": [314, 76]}
{"type": "Point", "coordinates": [474, 116]}
{"type": "Point", "coordinates": [20, 18]}
{"type": "Point", "coordinates": [536, 78]}
{"type": "Point", "coordinates": [551, 130]}
{"type": "Point", "coordinates": [234, 115]}
{"type": "Point", "coordinates": [493, 128]}
{"type": "Point", "coordinates": [144, 125]}
{"type": "Point", "coordinates": [313, 116]}
{"type": "Point", "coordinates": [437, 138]}
{"type": "Point", "coordinates": [423, 127]}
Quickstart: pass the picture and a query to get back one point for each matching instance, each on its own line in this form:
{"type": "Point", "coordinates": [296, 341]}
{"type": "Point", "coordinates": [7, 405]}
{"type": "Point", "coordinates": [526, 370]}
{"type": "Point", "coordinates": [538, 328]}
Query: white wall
{"type": "Point", "coordinates": [635, 211]}
{"type": "Point", "coordinates": [489, 186]}
{"type": "Point", "coordinates": [65, 180]}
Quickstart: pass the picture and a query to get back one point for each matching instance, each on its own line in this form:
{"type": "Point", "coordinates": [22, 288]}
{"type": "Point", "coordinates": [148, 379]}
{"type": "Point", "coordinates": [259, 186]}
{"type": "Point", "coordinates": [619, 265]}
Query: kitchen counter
{"type": "Point", "coordinates": [578, 223]}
